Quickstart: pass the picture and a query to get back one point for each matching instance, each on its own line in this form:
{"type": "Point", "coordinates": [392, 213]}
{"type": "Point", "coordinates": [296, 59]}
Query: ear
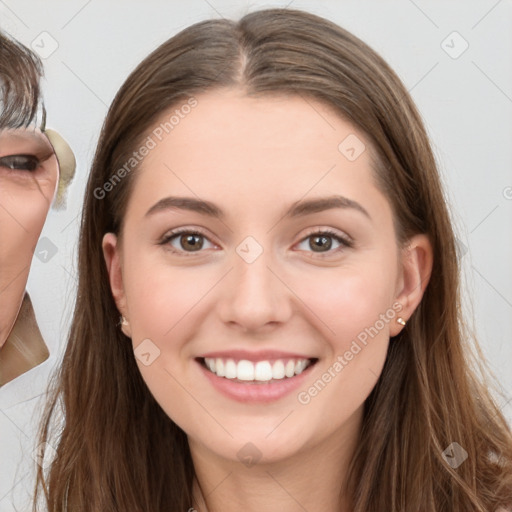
{"type": "Point", "coordinates": [67, 166]}
{"type": "Point", "coordinates": [416, 268]}
{"type": "Point", "coordinates": [111, 253]}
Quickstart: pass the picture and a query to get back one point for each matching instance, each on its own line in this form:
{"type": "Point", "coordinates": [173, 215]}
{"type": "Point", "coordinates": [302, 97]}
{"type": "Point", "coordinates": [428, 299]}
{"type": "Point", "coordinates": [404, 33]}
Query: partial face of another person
{"type": "Point", "coordinates": [29, 175]}
{"type": "Point", "coordinates": [246, 297]}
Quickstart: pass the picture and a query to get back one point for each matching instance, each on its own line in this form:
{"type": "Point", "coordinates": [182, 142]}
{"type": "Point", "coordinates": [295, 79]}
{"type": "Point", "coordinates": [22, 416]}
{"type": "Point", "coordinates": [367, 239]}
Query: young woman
{"type": "Point", "coordinates": [268, 307]}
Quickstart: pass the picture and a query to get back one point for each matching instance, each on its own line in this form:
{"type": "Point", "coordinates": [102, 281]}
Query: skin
{"type": "Point", "coordinates": [253, 158]}
{"type": "Point", "coordinates": [25, 198]}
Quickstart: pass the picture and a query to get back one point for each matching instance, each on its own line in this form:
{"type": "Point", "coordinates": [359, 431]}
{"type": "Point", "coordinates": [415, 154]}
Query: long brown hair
{"type": "Point", "coordinates": [117, 449]}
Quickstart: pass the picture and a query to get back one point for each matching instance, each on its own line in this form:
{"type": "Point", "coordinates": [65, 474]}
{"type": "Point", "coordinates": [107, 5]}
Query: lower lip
{"type": "Point", "coordinates": [258, 392]}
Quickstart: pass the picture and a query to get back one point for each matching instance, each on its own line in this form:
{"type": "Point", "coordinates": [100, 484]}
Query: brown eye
{"type": "Point", "coordinates": [186, 242]}
{"type": "Point", "coordinates": [20, 162]}
{"type": "Point", "coordinates": [191, 241]}
{"type": "Point", "coordinates": [322, 242]}
{"type": "Point", "coordinates": [326, 242]}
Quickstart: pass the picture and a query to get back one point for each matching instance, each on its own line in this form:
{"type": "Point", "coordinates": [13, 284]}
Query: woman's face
{"type": "Point", "coordinates": [28, 180]}
{"type": "Point", "coordinates": [255, 239]}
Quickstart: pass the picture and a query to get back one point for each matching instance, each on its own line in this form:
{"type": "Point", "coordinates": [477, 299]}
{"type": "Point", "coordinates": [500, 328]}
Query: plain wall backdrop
{"type": "Point", "coordinates": [454, 57]}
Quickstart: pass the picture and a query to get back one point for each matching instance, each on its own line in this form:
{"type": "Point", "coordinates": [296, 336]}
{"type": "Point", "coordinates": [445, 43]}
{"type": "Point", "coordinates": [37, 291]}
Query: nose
{"type": "Point", "coordinates": [255, 298]}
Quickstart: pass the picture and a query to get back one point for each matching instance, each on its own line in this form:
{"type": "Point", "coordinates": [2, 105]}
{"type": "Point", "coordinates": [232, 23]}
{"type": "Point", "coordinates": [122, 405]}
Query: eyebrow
{"type": "Point", "coordinates": [297, 209]}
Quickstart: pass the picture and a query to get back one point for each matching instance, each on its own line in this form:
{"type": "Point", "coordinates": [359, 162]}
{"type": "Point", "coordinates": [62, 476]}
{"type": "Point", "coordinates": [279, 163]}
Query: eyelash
{"type": "Point", "coordinates": [34, 163]}
{"type": "Point", "coordinates": [345, 242]}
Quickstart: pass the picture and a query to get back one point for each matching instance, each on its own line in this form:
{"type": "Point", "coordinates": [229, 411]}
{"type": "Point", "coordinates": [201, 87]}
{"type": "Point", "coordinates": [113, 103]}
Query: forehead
{"type": "Point", "coordinates": [228, 113]}
{"type": "Point", "coordinates": [228, 134]}
{"type": "Point", "coordinates": [31, 139]}
{"type": "Point", "coordinates": [255, 158]}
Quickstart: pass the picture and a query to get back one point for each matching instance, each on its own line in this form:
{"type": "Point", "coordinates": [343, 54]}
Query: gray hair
{"type": "Point", "coordinates": [20, 94]}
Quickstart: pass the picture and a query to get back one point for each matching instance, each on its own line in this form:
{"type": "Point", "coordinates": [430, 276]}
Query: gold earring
{"type": "Point", "coordinates": [401, 321]}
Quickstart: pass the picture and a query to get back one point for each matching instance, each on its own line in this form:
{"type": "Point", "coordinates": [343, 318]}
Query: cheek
{"type": "Point", "coordinates": [160, 304]}
{"type": "Point", "coordinates": [348, 299]}
{"type": "Point", "coordinates": [22, 217]}
{"type": "Point", "coordinates": [355, 307]}
{"type": "Point", "coordinates": [159, 297]}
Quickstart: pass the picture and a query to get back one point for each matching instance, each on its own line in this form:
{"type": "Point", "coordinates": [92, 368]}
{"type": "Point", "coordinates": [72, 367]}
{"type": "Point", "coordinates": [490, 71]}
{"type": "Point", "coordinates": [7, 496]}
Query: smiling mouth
{"type": "Point", "coordinates": [259, 372]}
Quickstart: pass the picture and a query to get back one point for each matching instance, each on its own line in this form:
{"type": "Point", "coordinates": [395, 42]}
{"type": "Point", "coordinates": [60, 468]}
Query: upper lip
{"type": "Point", "coordinates": [262, 355]}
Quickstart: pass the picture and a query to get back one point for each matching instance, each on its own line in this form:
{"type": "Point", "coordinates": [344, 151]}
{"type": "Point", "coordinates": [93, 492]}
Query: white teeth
{"type": "Point", "coordinates": [219, 367]}
{"type": "Point", "coordinates": [230, 369]}
{"type": "Point", "coordinates": [262, 371]}
{"type": "Point", "coordinates": [290, 369]}
{"type": "Point", "coordinates": [245, 370]}
{"type": "Point", "coordinates": [299, 366]}
{"type": "Point", "coordinates": [211, 364]}
{"type": "Point", "coordinates": [278, 370]}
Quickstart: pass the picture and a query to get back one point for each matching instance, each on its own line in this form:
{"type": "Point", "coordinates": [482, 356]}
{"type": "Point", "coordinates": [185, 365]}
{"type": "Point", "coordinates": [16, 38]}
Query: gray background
{"type": "Point", "coordinates": [466, 102]}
